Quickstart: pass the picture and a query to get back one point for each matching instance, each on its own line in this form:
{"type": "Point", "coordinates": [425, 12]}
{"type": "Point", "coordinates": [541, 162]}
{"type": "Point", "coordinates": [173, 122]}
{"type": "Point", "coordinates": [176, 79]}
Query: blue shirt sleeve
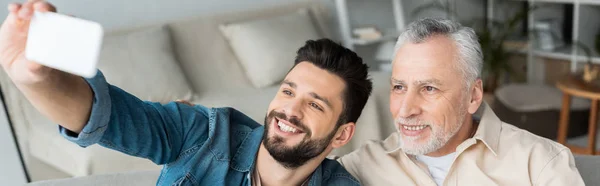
{"type": "Point", "coordinates": [122, 122]}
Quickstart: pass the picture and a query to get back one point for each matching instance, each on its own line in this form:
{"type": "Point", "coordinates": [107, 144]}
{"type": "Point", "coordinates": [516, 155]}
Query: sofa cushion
{"type": "Point", "coordinates": [588, 168]}
{"type": "Point", "coordinates": [47, 145]}
{"type": "Point", "coordinates": [253, 102]}
{"type": "Point", "coordinates": [142, 63]}
{"type": "Point", "coordinates": [133, 178]}
{"type": "Point", "coordinates": [266, 48]}
{"type": "Point", "coordinates": [205, 54]}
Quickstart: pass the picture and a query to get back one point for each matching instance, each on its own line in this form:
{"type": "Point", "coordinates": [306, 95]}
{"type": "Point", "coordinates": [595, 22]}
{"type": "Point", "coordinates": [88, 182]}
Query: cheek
{"type": "Point", "coordinates": [320, 125]}
{"type": "Point", "coordinates": [275, 103]}
{"type": "Point", "coordinates": [395, 103]}
{"type": "Point", "coordinates": [444, 115]}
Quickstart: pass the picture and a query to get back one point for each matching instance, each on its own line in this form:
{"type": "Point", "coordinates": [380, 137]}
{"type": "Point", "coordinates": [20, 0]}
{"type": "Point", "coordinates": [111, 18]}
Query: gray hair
{"type": "Point", "coordinates": [470, 56]}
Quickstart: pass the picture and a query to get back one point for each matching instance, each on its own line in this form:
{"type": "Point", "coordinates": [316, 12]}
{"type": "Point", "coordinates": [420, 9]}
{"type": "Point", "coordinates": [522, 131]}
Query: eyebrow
{"type": "Point", "coordinates": [325, 100]}
{"type": "Point", "coordinates": [289, 83]}
{"type": "Point", "coordinates": [314, 95]}
{"type": "Point", "coordinates": [395, 81]}
{"type": "Point", "coordinates": [436, 82]}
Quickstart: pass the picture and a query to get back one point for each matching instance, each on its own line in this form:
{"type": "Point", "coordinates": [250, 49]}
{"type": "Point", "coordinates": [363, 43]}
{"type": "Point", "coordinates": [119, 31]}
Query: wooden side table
{"type": "Point", "coordinates": [572, 86]}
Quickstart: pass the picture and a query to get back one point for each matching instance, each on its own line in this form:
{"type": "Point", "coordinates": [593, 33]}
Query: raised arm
{"type": "Point", "coordinates": [122, 122]}
{"type": "Point", "coordinates": [91, 111]}
{"type": "Point", "coordinates": [62, 97]}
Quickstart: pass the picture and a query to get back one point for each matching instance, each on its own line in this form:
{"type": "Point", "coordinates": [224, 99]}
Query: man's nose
{"type": "Point", "coordinates": [293, 109]}
{"type": "Point", "coordinates": [409, 105]}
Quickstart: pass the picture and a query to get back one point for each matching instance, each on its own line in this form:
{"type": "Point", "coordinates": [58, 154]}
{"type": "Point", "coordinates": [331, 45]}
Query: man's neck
{"type": "Point", "coordinates": [466, 131]}
{"type": "Point", "coordinates": [272, 173]}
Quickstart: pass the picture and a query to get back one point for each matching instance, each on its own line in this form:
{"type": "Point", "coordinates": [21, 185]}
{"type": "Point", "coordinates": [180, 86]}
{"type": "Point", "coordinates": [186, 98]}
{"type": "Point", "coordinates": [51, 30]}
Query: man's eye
{"type": "Point", "coordinates": [430, 88]}
{"type": "Point", "coordinates": [314, 105]}
{"type": "Point", "coordinates": [287, 92]}
{"type": "Point", "coordinates": [397, 87]}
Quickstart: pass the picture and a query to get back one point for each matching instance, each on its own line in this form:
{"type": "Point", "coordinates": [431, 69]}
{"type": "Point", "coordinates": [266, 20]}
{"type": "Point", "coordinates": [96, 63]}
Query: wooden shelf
{"type": "Point", "coordinates": [564, 53]}
{"type": "Point", "coordinates": [346, 30]}
{"type": "Point", "coordinates": [519, 46]}
{"type": "Point", "coordinates": [552, 1]}
{"type": "Point", "coordinates": [589, 2]}
{"type": "Point", "coordinates": [585, 28]}
{"type": "Point", "coordinates": [583, 58]}
{"type": "Point", "coordinates": [581, 2]}
{"type": "Point", "coordinates": [389, 35]}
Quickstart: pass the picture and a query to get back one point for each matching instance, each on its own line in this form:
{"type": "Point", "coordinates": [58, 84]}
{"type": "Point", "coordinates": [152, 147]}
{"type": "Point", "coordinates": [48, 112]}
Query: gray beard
{"type": "Point", "coordinates": [437, 139]}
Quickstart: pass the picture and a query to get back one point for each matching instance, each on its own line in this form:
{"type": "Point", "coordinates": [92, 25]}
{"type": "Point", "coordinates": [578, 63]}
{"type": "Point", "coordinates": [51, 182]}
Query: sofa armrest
{"type": "Point", "coordinates": [124, 179]}
{"type": "Point", "coordinates": [588, 167]}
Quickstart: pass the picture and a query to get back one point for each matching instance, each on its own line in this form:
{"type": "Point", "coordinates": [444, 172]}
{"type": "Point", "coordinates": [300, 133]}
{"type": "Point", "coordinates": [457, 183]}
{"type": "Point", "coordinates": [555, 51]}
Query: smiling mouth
{"type": "Point", "coordinates": [287, 127]}
{"type": "Point", "coordinates": [414, 127]}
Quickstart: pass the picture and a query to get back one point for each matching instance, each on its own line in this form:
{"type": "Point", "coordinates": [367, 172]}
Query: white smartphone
{"type": "Point", "coordinates": [64, 43]}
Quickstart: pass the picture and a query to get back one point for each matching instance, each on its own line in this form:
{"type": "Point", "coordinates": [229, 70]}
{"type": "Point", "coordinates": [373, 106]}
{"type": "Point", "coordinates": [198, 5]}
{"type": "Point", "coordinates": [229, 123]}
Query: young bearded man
{"type": "Point", "coordinates": [313, 112]}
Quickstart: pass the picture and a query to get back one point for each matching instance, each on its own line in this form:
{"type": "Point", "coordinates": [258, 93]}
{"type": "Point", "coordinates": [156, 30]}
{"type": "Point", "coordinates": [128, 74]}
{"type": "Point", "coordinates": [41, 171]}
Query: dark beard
{"type": "Point", "coordinates": [296, 156]}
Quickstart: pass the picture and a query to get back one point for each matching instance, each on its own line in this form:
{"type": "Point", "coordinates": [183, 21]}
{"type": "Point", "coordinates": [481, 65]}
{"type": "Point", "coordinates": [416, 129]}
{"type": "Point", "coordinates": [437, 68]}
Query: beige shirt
{"type": "Point", "coordinates": [498, 154]}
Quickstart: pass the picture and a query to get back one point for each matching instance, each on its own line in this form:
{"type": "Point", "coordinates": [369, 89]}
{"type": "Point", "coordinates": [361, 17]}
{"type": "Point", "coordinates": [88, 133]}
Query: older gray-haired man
{"type": "Point", "coordinates": [446, 136]}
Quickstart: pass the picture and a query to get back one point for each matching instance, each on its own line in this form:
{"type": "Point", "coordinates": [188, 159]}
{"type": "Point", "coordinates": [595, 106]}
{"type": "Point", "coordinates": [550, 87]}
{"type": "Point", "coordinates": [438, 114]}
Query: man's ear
{"type": "Point", "coordinates": [476, 96]}
{"type": "Point", "coordinates": [343, 135]}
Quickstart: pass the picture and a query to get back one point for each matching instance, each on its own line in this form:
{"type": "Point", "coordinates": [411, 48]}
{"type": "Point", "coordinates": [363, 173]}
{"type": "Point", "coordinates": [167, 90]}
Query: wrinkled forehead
{"type": "Point", "coordinates": [434, 59]}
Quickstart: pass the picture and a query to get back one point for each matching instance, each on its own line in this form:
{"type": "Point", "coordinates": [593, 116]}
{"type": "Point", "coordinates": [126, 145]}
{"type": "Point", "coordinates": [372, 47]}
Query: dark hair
{"type": "Point", "coordinates": [346, 64]}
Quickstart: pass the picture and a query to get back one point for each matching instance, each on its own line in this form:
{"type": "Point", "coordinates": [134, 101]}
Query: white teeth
{"type": "Point", "coordinates": [286, 128]}
{"type": "Point", "coordinates": [414, 128]}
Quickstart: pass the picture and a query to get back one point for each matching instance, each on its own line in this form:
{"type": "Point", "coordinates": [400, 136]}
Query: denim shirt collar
{"type": "Point", "coordinates": [244, 158]}
{"type": "Point", "coordinates": [317, 177]}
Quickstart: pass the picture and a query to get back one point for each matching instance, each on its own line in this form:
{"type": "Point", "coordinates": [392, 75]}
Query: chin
{"type": "Point", "coordinates": [413, 144]}
{"type": "Point", "coordinates": [288, 142]}
{"type": "Point", "coordinates": [418, 140]}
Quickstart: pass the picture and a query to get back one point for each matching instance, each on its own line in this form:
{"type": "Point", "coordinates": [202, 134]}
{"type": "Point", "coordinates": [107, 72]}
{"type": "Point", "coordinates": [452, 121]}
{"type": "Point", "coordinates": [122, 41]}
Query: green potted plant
{"type": "Point", "coordinates": [492, 36]}
{"type": "Point", "coordinates": [495, 55]}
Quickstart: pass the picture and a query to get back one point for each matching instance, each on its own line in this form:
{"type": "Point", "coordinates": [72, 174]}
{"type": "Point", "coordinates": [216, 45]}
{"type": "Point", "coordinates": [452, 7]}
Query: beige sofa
{"type": "Point", "coordinates": [588, 167]}
{"type": "Point", "coordinates": [205, 71]}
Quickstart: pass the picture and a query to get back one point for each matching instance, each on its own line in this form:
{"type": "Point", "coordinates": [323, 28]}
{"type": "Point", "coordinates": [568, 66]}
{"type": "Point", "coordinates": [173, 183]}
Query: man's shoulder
{"type": "Point", "coordinates": [371, 155]}
{"type": "Point", "coordinates": [546, 160]}
{"type": "Point", "coordinates": [335, 174]}
{"type": "Point", "coordinates": [371, 150]}
{"type": "Point", "coordinates": [234, 117]}
{"type": "Point", "coordinates": [222, 116]}
{"type": "Point", "coordinates": [386, 146]}
{"type": "Point", "coordinates": [514, 138]}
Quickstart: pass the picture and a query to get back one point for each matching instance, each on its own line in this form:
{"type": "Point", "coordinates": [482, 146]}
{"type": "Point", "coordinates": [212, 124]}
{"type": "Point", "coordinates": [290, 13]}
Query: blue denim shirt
{"type": "Point", "coordinates": [197, 145]}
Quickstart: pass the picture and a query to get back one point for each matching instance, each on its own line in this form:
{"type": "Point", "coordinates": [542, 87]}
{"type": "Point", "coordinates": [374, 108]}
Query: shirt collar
{"type": "Point", "coordinates": [489, 127]}
{"type": "Point", "coordinates": [316, 178]}
{"type": "Point", "coordinates": [256, 178]}
{"type": "Point", "coordinates": [488, 131]}
{"type": "Point", "coordinates": [244, 158]}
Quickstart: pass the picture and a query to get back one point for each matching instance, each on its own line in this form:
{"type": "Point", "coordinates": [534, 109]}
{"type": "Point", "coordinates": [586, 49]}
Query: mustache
{"type": "Point", "coordinates": [411, 121]}
{"type": "Point", "coordinates": [293, 120]}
